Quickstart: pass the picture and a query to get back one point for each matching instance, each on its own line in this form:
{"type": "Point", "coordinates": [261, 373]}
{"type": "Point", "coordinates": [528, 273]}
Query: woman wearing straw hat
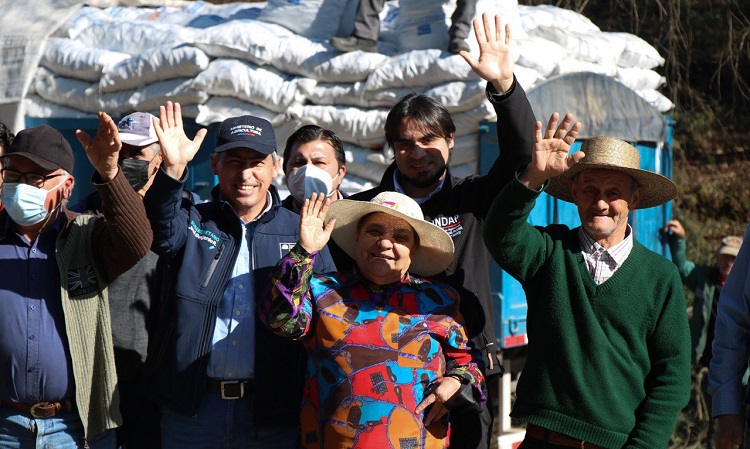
{"type": "Point", "coordinates": [609, 349]}
{"type": "Point", "coordinates": [387, 352]}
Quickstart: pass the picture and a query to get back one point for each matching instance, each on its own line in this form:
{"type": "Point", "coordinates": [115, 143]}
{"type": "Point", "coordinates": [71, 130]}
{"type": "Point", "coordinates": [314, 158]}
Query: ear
{"type": "Point", "coordinates": [215, 163]}
{"type": "Point", "coordinates": [451, 141]}
{"type": "Point", "coordinates": [276, 167]}
{"type": "Point", "coordinates": [635, 199]}
{"type": "Point", "coordinates": [67, 187]}
{"type": "Point", "coordinates": [574, 190]}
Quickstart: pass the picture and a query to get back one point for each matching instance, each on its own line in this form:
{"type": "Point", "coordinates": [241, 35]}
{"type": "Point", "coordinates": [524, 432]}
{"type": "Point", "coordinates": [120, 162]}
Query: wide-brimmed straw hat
{"type": "Point", "coordinates": [614, 154]}
{"type": "Point", "coordinates": [435, 251]}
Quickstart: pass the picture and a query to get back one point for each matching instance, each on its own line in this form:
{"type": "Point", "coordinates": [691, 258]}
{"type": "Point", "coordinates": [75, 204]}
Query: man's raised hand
{"type": "Point", "coordinates": [176, 148]}
{"type": "Point", "coordinates": [104, 150]}
{"type": "Point", "coordinates": [495, 63]}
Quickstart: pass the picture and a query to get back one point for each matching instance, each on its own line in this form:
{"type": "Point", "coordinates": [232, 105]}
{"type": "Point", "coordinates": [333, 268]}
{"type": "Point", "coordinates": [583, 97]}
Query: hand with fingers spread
{"type": "Point", "coordinates": [550, 157]}
{"type": "Point", "coordinates": [104, 150]}
{"type": "Point", "coordinates": [440, 392]}
{"type": "Point", "coordinates": [176, 148]}
{"type": "Point", "coordinates": [314, 232]}
{"type": "Point", "coordinates": [495, 63]}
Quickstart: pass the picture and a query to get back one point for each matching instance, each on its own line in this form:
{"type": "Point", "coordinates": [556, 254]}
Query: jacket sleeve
{"type": "Point", "coordinates": [518, 247]}
{"type": "Point", "coordinates": [287, 308]}
{"type": "Point", "coordinates": [123, 236]}
{"type": "Point", "coordinates": [677, 247]}
{"type": "Point", "coordinates": [169, 220]}
{"type": "Point", "coordinates": [515, 139]}
{"type": "Point", "coordinates": [667, 384]}
{"type": "Point", "coordinates": [731, 346]}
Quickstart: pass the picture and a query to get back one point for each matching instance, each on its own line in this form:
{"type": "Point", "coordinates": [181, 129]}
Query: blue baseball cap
{"type": "Point", "coordinates": [246, 131]}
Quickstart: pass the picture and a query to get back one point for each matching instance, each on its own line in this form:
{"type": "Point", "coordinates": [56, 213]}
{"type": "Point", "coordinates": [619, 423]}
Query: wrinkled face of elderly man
{"type": "Point", "coordinates": [604, 198]}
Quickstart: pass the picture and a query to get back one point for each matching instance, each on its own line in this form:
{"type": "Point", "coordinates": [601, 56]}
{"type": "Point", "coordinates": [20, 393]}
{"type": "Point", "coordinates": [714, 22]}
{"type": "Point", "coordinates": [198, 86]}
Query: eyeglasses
{"type": "Point", "coordinates": [31, 179]}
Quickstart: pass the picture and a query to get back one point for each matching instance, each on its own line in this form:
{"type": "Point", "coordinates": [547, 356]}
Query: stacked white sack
{"type": "Point", "coordinates": [274, 61]}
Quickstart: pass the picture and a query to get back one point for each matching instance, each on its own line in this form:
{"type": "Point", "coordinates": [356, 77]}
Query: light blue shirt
{"type": "Point", "coordinates": [233, 343]}
{"type": "Point", "coordinates": [731, 345]}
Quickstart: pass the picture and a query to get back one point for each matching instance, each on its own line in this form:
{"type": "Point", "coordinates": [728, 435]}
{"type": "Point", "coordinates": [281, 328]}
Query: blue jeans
{"type": "Point", "coordinates": [64, 431]}
{"type": "Point", "coordinates": [223, 424]}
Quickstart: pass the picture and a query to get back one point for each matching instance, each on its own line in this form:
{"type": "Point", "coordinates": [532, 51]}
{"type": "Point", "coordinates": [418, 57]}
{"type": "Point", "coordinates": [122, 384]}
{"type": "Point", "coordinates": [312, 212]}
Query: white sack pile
{"type": "Point", "coordinates": [273, 60]}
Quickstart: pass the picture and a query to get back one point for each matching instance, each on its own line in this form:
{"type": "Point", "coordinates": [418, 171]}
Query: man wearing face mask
{"type": "Point", "coordinates": [58, 383]}
{"type": "Point", "coordinates": [313, 163]}
{"type": "Point", "coordinates": [134, 296]}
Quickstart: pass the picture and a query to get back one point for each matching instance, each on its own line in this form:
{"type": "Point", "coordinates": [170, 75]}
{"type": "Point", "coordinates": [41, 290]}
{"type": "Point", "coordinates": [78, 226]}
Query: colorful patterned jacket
{"type": "Point", "coordinates": [372, 351]}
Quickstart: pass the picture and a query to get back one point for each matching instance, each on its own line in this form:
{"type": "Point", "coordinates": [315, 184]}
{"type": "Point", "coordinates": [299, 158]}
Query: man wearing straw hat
{"type": "Point", "coordinates": [609, 349]}
{"type": "Point", "coordinates": [383, 343]}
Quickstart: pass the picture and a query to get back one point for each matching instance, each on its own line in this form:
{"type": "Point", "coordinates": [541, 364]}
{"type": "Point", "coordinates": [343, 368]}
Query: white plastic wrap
{"type": "Point", "coordinates": [70, 58]}
{"type": "Point", "coordinates": [314, 19]}
{"type": "Point", "coordinates": [158, 64]}
{"type": "Point", "coordinates": [133, 37]}
{"type": "Point", "coordinates": [265, 87]}
{"type": "Point", "coordinates": [640, 79]}
{"type": "Point", "coordinates": [420, 68]}
{"type": "Point", "coordinates": [151, 96]}
{"type": "Point", "coordinates": [360, 127]}
{"type": "Point", "coordinates": [218, 109]}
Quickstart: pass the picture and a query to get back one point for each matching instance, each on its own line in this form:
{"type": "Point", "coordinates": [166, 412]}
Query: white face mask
{"type": "Point", "coordinates": [302, 182]}
{"type": "Point", "coordinates": [25, 203]}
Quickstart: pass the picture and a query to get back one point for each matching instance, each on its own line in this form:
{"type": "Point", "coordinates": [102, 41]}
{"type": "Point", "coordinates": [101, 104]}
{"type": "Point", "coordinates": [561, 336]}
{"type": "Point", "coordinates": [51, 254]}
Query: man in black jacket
{"type": "Point", "coordinates": [421, 133]}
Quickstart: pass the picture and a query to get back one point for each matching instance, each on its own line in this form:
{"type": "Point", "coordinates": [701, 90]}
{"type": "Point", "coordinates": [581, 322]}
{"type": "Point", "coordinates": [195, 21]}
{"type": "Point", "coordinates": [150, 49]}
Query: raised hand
{"type": "Point", "coordinates": [676, 227]}
{"type": "Point", "coordinates": [443, 390]}
{"type": "Point", "coordinates": [550, 157]}
{"type": "Point", "coordinates": [176, 149]}
{"type": "Point", "coordinates": [314, 232]}
{"type": "Point", "coordinates": [104, 150]}
{"type": "Point", "coordinates": [495, 63]}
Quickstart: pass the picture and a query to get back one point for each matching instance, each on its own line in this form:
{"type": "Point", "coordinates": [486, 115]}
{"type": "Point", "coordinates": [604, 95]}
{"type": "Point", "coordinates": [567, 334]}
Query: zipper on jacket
{"type": "Point", "coordinates": [212, 267]}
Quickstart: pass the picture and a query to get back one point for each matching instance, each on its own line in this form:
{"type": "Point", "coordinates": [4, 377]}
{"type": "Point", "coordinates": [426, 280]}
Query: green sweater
{"type": "Point", "coordinates": [608, 363]}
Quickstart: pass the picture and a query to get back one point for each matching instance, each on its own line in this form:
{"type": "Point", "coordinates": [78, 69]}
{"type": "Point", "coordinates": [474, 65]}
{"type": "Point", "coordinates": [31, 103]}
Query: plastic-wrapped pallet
{"type": "Point", "coordinates": [35, 106]}
{"type": "Point", "coordinates": [419, 68]}
{"type": "Point", "coordinates": [351, 94]}
{"type": "Point", "coordinates": [360, 127]}
{"type": "Point", "coordinates": [157, 64]}
{"type": "Point", "coordinates": [75, 94]}
{"type": "Point", "coordinates": [467, 122]}
{"type": "Point", "coordinates": [539, 54]}
{"type": "Point", "coordinates": [71, 58]}
{"type": "Point", "coordinates": [640, 79]}
{"type": "Point", "coordinates": [133, 37]}
{"type": "Point", "coordinates": [180, 90]}
{"type": "Point", "coordinates": [314, 19]}
{"type": "Point", "coordinates": [459, 96]}
{"type": "Point", "coordinates": [265, 87]}
{"type": "Point", "coordinates": [364, 163]}
{"type": "Point", "coordinates": [218, 109]}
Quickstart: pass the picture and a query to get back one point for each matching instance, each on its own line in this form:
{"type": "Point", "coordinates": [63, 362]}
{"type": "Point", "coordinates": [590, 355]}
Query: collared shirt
{"type": "Point", "coordinates": [233, 344]}
{"type": "Point", "coordinates": [400, 189]}
{"type": "Point", "coordinates": [35, 363]}
{"type": "Point", "coordinates": [603, 262]}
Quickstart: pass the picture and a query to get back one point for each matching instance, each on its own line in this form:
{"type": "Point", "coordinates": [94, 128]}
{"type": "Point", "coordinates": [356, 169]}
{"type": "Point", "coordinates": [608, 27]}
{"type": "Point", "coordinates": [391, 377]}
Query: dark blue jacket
{"type": "Point", "coordinates": [202, 242]}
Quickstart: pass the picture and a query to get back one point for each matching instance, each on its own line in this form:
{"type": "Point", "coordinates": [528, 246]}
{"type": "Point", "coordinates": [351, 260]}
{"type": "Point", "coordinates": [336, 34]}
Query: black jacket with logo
{"type": "Point", "coordinates": [460, 208]}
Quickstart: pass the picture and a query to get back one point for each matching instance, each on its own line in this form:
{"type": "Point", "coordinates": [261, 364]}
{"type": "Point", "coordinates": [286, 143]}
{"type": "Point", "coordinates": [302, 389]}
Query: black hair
{"type": "Point", "coordinates": [311, 133]}
{"type": "Point", "coordinates": [6, 136]}
{"type": "Point", "coordinates": [426, 111]}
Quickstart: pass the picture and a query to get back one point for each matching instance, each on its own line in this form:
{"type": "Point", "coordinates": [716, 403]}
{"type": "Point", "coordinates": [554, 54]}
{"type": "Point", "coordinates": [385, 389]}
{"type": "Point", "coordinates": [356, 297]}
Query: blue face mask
{"type": "Point", "coordinates": [25, 203]}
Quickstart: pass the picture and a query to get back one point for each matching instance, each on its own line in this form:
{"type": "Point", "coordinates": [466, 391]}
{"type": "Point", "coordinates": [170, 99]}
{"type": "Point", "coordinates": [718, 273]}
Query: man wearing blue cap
{"type": "Point", "coordinates": [222, 379]}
